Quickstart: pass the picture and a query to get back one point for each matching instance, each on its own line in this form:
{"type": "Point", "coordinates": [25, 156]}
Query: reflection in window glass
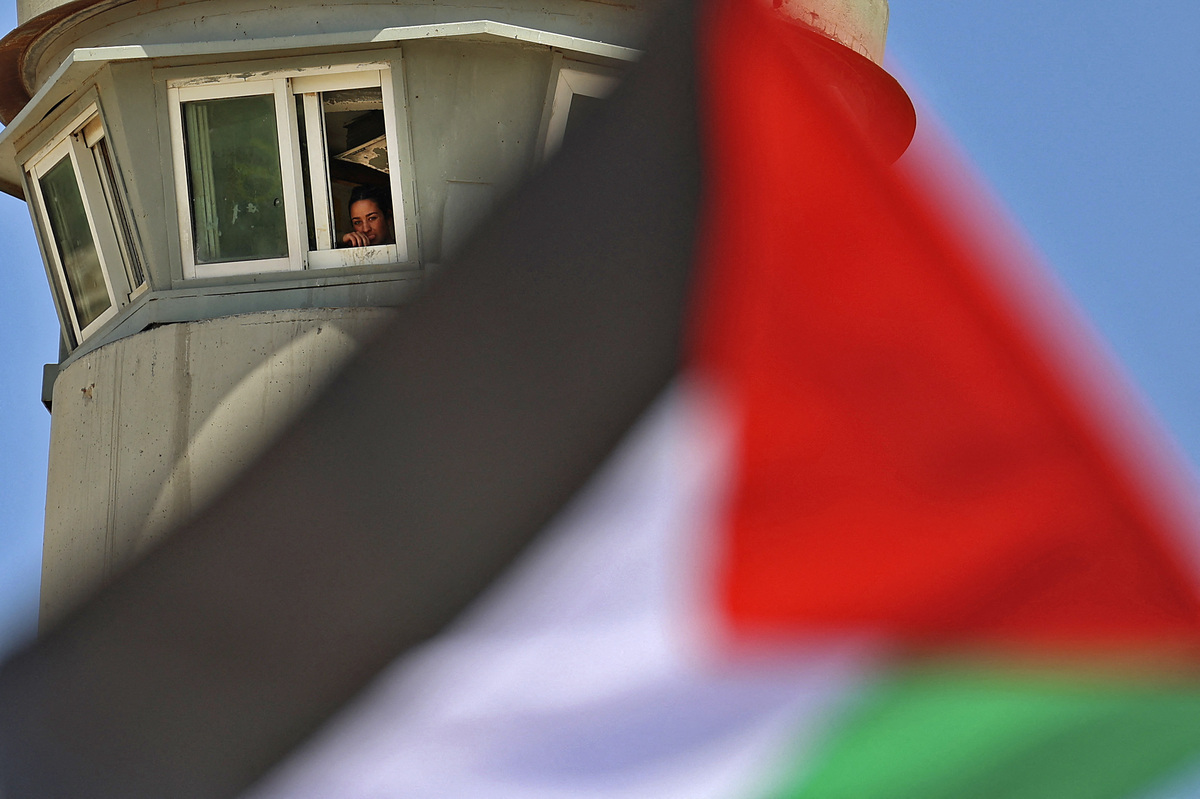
{"type": "Point", "coordinates": [357, 146]}
{"type": "Point", "coordinates": [236, 182]}
{"type": "Point", "coordinates": [73, 238]}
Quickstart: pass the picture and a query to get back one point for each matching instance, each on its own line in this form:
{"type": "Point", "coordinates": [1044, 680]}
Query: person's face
{"type": "Point", "coordinates": [369, 220]}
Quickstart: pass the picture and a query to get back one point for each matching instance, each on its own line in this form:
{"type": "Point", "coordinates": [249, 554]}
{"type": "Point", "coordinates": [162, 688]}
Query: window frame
{"type": "Point", "coordinates": [286, 85]}
{"type": "Point", "coordinates": [75, 142]}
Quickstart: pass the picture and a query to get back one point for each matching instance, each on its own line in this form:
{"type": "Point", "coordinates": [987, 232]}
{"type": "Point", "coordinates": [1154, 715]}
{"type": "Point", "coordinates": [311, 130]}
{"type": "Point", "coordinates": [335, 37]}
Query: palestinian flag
{"type": "Point", "coordinates": [727, 462]}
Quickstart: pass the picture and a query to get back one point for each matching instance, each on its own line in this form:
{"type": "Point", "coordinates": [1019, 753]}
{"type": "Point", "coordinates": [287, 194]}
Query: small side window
{"type": "Point", "coordinates": [76, 213]}
{"type": "Point", "coordinates": [579, 89]}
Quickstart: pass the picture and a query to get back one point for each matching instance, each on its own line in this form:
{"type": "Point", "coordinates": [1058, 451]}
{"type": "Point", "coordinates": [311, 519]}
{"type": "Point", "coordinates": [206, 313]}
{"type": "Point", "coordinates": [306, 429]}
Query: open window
{"type": "Point", "coordinates": [578, 90]}
{"type": "Point", "coordinates": [91, 247]}
{"type": "Point", "coordinates": [265, 168]}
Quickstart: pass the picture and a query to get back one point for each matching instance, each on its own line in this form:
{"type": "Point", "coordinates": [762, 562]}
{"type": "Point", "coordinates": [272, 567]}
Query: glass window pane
{"type": "Point", "coordinates": [235, 179]}
{"type": "Point", "coordinates": [73, 239]}
{"type": "Point", "coordinates": [116, 206]}
{"type": "Point", "coordinates": [306, 174]}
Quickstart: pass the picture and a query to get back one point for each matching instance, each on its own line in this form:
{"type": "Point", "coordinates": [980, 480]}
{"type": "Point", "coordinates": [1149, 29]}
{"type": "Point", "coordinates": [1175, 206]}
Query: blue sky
{"type": "Point", "coordinates": [1082, 118]}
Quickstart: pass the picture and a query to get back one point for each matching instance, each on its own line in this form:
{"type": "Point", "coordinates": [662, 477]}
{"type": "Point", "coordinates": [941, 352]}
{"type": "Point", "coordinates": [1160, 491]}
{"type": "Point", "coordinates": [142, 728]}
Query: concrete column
{"type": "Point", "coordinates": [150, 428]}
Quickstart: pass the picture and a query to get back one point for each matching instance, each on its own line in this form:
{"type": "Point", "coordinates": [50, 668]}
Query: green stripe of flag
{"type": "Point", "coordinates": [956, 735]}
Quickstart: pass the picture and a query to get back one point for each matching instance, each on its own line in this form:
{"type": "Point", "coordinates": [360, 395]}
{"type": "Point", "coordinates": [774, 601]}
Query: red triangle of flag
{"type": "Point", "coordinates": [910, 465]}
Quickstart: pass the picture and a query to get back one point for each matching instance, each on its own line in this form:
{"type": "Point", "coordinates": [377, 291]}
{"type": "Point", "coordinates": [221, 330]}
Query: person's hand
{"type": "Point", "coordinates": [355, 239]}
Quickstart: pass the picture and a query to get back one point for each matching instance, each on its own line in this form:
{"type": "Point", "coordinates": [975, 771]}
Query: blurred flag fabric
{"type": "Point", "coordinates": [726, 462]}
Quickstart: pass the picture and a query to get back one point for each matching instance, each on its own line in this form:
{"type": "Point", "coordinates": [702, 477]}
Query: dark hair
{"type": "Point", "coordinates": [380, 195]}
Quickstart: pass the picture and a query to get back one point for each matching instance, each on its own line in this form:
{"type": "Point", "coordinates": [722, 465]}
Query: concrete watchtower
{"type": "Point", "coordinates": [188, 166]}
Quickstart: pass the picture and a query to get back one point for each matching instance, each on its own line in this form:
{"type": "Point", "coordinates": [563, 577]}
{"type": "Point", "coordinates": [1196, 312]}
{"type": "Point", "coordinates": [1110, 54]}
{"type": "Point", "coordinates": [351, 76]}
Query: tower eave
{"type": "Point", "coordinates": [15, 91]}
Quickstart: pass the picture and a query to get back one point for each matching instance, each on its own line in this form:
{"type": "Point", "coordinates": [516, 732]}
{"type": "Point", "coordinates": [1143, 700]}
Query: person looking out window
{"type": "Point", "coordinates": [371, 217]}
